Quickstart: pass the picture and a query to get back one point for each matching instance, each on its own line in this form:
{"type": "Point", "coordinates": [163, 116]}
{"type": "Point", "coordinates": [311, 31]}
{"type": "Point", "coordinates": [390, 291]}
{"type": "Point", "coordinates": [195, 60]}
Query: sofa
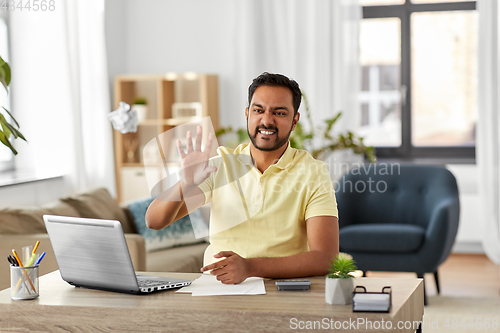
{"type": "Point", "coordinates": [174, 249]}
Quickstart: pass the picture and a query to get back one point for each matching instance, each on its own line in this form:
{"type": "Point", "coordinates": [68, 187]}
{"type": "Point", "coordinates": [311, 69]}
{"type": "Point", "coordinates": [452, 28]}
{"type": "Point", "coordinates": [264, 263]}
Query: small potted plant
{"type": "Point", "coordinates": [339, 283]}
{"type": "Point", "coordinates": [140, 106]}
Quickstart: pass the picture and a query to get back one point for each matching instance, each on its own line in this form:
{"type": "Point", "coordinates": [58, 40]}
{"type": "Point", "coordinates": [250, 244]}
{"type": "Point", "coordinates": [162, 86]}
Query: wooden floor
{"type": "Point", "coordinates": [469, 275]}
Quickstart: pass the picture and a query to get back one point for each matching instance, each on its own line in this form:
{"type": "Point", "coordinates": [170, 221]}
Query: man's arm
{"type": "Point", "coordinates": [323, 238]}
{"type": "Point", "coordinates": [173, 203]}
{"type": "Point", "coordinates": [171, 206]}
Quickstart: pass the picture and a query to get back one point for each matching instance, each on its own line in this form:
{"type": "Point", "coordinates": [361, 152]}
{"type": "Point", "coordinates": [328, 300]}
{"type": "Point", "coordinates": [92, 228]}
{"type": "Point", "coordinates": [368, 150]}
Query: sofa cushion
{"type": "Point", "coordinates": [98, 204]}
{"type": "Point", "coordinates": [190, 229]}
{"type": "Point", "coordinates": [29, 220]}
{"type": "Point", "coordinates": [186, 259]}
{"type": "Point", "coordinates": [381, 238]}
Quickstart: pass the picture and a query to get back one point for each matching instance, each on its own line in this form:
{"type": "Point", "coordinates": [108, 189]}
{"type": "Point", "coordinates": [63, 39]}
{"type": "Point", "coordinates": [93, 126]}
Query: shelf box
{"type": "Point", "coordinates": [187, 110]}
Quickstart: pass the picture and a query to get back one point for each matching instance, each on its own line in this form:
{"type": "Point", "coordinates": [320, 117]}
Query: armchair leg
{"type": "Point", "coordinates": [436, 278]}
{"type": "Point", "coordinates": [364, 273]}
{"type": "Point", "coordinates": [421, 276]}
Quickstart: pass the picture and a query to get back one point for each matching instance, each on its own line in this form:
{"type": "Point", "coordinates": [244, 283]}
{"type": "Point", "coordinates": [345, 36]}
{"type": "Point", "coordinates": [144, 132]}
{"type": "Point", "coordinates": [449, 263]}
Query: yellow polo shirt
{"type": "Point", "coordinates": [264, 214]}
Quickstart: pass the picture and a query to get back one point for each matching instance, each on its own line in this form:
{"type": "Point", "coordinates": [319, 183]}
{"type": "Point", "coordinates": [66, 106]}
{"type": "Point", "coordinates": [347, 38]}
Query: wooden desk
{"type": "Point", "coordinates": [62, 307]}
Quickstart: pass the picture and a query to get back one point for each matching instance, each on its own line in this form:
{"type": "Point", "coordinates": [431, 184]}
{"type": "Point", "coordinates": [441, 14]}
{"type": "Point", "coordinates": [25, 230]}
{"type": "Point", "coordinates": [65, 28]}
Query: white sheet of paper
{"type": "Point", "coordinates": [207, 285]}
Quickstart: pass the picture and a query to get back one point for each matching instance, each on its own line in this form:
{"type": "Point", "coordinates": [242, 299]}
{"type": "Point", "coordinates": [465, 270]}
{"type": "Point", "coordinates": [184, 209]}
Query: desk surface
{"type": "Point", "coordinates": [62, 307]}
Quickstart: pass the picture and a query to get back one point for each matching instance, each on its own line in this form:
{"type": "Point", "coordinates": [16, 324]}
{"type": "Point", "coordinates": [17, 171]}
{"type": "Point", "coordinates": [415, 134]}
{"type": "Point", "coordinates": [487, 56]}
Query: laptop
{"type": "Point", "coordinates": [93, 253]}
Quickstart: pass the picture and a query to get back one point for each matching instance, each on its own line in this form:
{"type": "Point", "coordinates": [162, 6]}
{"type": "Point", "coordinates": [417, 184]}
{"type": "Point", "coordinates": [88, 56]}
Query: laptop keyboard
{"type": "Point", "coordinates": [151, 283]}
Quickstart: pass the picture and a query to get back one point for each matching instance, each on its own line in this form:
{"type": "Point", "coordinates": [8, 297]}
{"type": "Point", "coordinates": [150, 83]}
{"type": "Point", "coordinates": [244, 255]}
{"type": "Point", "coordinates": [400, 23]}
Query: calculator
{"type": "Point", "coordinates": [293, 285]}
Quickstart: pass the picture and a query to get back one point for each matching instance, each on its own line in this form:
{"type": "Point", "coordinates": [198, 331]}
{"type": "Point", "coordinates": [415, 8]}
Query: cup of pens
{"type": "Point", "coordinates": [24, 273]}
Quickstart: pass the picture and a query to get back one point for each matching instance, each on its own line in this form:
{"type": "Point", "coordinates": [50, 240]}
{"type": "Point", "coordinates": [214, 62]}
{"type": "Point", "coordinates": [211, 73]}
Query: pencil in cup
{"type": "Point", "coordinates": [32, 273]}
{"type": "Point", "coordinates": [23, 271]}
{"type": "Point", "coordinates": [29, 254]}
{"type": "Point", "coordinates": [28, 264]}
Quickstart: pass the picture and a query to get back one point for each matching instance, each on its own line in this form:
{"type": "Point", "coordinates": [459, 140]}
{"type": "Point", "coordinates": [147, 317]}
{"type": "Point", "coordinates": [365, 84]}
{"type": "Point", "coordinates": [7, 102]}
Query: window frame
{"type": "Point", "coordinates": [407, 150]}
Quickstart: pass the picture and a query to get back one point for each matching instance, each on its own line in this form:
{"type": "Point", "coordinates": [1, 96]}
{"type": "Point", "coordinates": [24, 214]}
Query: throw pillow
{"type": "Point", "coordinates": [181, 232]}
{"type": "Point", "coordinates": [29, 220]}
{"type": "Point", "coordinates": [98, 204]}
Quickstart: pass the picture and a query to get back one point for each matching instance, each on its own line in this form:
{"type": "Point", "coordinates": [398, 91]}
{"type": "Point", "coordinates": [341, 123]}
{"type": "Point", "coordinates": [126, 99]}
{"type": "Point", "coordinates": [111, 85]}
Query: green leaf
{"type": "Point", "coordinates": [297, 137]}
{"type": "Point", "coordinates": [6, 142]}
{"type": "Point", "coordinates": [5, 74]}
{"type": "Point", "coordinates": [341, 266]}
{"type": "Point", "coordinates": [222, 131]}
{"type": "Point", "coordinates": [332, 121]}
{"type": "Point", "coordinates": [298, 129]}
{"type": "Point", "coordinates": [6, 130]}
{"type": "Point", "coordinates": [242, 135]}
{"type": "Point", "coordinates": [15, 132]}
{"type": "Point", "coordinates": [12, 117]}
{"type": "Point", "coordinates": [308, 112]}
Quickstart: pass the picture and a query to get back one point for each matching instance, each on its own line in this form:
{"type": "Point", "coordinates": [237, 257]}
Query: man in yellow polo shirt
{"type": "Point", "coordinates": [273, 212]}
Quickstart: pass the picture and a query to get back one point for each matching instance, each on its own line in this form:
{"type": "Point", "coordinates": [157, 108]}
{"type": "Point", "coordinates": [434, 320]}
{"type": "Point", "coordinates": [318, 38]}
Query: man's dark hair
{"type": "Point", "coordinates": [276, 80]}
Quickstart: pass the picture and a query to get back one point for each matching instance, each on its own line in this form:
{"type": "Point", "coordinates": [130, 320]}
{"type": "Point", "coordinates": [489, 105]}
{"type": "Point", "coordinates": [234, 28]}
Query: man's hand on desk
{"type": "Point", "coordinates": [231, 270]}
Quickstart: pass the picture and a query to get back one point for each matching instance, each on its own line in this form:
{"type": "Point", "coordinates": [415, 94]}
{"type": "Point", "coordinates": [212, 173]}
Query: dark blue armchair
{"type": "Point", "coordinates": [398, 218]}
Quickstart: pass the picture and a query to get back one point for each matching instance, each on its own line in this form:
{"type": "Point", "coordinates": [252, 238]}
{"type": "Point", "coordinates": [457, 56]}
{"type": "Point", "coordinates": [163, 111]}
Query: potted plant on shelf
{"type": "Point", "coordinates": [339, 283]}
{"type": "Point", "coordinates": [6, 129]}
{"type": "Point", "coordinates": [140, 105]}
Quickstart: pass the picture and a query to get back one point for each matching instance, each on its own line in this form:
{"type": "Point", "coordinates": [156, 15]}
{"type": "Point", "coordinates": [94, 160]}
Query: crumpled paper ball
{"type": "Point", "coordinates": [123, 119]}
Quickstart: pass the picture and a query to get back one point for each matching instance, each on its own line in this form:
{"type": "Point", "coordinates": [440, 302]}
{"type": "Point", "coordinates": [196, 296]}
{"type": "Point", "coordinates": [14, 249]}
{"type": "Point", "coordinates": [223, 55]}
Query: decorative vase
{"type": "Point", "coordinates": [142, 111]}
{"type": "Point", "coordinates": [338, 291]}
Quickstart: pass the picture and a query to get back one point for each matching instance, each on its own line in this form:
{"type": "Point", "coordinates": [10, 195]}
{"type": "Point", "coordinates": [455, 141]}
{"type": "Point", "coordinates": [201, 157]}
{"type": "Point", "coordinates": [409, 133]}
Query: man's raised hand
{"type": "Point", "coordinates": [194, 162]}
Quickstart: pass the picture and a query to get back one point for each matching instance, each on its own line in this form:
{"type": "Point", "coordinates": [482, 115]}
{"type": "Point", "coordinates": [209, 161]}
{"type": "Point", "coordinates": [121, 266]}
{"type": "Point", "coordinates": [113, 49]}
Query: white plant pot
{"type": "Point", "coordinates": [142, 111]}
{"type": "Point", "coordinates": [338, 291]}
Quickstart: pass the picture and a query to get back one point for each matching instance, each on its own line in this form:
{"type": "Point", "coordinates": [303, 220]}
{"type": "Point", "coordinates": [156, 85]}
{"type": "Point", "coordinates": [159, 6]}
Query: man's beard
{"type": "Point", "coordinates": [279, 142]}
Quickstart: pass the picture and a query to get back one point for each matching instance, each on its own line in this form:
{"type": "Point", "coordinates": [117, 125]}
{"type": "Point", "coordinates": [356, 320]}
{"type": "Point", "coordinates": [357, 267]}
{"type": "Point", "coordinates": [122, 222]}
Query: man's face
{"type": "Point", "coordinates": [270, 117]}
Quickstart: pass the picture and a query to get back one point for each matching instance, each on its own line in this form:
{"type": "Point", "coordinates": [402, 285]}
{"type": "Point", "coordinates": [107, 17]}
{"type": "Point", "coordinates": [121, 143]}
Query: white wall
{"type": "Point", "coordinates": [177, 36]}
{"type": "Point", "coordinates": [471, 226]}
{"type": "Point", "coordinates": [34, 193]}
{"type": "Point", "coordinates": [116, 38]}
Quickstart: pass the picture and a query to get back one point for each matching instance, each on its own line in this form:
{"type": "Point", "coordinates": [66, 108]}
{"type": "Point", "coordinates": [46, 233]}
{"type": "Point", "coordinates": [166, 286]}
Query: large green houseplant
{"type": "Point", "coordinates": [6, 129]}
{"type": "Point", "coordinates": [329, 142]}
{"type": "Point", "coordinates": [301, 139]}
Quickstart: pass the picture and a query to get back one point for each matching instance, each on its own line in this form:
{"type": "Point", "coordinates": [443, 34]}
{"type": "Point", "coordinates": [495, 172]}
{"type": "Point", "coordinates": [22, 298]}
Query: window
{"type": "Point", "coordinates": [419, 78]}
{"type": "Point", "coordinates": [6, 156]}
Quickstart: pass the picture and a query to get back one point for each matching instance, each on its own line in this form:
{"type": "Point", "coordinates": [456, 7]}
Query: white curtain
{"type": "Point", "coordinates": [488, 136]}
{"type": "Point", "coordinates": [92, 163]}
{"type": "Point", "coordinates": [313, 42]}
{"type": "Point", "coordinates": [61, 94]}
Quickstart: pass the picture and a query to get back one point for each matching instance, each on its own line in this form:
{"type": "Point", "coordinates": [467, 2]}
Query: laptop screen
{"type": "Point", "coordinates": [91, 253]}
